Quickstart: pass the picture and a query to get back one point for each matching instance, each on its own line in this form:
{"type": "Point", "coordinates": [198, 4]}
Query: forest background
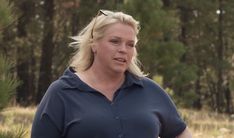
{"type": "Point", "coordinates": [185, 45]}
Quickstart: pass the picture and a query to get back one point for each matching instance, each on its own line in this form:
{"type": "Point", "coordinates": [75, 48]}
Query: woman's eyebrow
{"type": "Point", "coordinates": [117, 37]}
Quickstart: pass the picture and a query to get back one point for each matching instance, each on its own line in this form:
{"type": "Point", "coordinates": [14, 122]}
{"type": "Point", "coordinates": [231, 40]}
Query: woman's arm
{"type": "Point", "coordinates": [185, 134]}
{"type": "Point", "coordinates": [49, 117]}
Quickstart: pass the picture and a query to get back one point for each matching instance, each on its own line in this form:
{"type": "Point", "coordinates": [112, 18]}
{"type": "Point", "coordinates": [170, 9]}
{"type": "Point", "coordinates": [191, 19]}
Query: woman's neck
{"type": "Point", "coordinates": [105, 77]}
{"type": "Point", "coordinates": [101, 81]}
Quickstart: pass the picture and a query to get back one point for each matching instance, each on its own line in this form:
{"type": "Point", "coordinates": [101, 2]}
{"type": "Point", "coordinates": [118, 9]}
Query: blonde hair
{"type": "Point", "coordinates": [84, 56]}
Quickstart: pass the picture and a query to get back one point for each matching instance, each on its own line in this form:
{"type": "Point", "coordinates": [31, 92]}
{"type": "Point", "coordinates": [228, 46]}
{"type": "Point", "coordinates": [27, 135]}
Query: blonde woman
{"type": "Point", "coordinates": [104, 93]}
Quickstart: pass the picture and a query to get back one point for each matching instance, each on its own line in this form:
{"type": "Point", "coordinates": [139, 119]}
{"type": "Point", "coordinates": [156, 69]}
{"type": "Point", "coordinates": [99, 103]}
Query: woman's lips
{"type": "Point", "coordinates": [120, 60]}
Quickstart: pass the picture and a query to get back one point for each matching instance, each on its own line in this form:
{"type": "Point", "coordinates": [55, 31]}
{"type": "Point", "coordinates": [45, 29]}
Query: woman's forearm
{"type": "Point", "coordinates": [185, 134]}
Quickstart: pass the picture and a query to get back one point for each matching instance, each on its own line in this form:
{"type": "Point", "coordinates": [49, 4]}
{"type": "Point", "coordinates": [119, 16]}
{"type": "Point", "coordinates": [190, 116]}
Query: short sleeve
{"type": "Point", "coordinates": [48, 120]}
{"type": "Point", "coordinates": [172, 124]}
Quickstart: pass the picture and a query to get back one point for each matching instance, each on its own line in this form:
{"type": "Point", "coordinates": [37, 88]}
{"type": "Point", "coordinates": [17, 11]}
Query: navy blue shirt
{"type": "Point", "coordinates": [72, 109]}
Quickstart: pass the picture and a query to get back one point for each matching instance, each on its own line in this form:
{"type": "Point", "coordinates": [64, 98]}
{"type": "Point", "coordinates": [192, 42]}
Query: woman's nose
{"type": "Point", "coordinates": [123, 48]}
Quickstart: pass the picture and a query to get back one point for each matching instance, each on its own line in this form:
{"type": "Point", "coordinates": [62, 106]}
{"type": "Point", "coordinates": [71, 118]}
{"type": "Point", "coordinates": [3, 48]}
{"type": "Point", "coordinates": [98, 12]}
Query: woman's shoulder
{"type": "Point", "coordinates": [56, 85]}
{"type": "Point", "coordinates": [67, 81]}
{"type": "Point", "coordinates": [147, 82]}
{"type": "Point", "coordinates": [150, 86]}
{"type": "Point", "coordinates": [54, 88]}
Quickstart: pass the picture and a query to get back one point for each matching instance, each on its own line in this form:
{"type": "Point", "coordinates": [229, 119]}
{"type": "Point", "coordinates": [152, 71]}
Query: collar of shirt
{"type": "Point", "coordinates": [72, 81]}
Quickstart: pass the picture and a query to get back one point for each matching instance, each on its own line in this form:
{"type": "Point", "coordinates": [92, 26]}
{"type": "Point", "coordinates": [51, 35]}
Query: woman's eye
{"type": "Point", "coordinates": [131, 45]}
{"type": "Point", "coordinates": [115, 41]}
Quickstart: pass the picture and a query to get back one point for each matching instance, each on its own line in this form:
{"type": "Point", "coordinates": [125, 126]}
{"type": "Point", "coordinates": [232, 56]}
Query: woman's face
{"type": "Point", "coordinates": [115, 50]}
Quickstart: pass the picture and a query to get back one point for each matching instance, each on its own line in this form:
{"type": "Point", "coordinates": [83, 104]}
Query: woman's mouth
{"type": "Point", "coordinates": [122, 60]}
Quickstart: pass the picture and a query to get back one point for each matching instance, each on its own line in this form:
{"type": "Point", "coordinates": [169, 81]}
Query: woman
{"type": "Point", "coordinates": [104, 94]}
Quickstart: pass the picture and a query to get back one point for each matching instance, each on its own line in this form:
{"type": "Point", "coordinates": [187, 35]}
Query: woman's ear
{"type": "Point", "coordinates": [94, 48]}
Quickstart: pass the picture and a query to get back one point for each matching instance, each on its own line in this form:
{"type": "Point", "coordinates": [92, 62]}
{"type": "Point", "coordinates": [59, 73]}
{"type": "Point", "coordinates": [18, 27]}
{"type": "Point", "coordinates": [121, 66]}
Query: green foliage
{"type": "Point", "coordinates": [187, 99]}
{"type": "Point", "coordinates": [5, 13]}
{"type": "Point", "coordinates": [210, 47]}
{"type": "Point", "coordinates": [183, 74]}
{"type": "Point", "coordinates": [159, 80]}
{"type": "Point", "coordinates": [160, 50]}
{"type": "Point", "coordinates": [157, 45]}
{"type": "Point", "coordinates": [8, 83]}
{"type": "Point", "coordinates": [178, 43]}
{"type": "Point", "coordinates": [231, 85]}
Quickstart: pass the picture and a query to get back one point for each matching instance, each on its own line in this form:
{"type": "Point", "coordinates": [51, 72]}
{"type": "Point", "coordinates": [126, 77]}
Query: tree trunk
{"type": "Point", "coordinates": [228, 97]}
{"type": "Point", "coordinates": [220, 55]}
{"type": "Point", "coordinates": [32, 76]}
{"type": "Point", "coordinates": [45, 75]}
{"type": "Point", "coordinates": [167, 3]}
{"type": "Point", "coordinates": [197, 103]}
{"type": "Point", "coordinates": [184, 18]}
{"type": "Point", "coordinates": [22, 56]}
{"type": "Point", "coordinates": [75, 23]}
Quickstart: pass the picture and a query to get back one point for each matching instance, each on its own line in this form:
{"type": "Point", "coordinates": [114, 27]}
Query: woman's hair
{"type": "Point", "coordinates": [84, 56]}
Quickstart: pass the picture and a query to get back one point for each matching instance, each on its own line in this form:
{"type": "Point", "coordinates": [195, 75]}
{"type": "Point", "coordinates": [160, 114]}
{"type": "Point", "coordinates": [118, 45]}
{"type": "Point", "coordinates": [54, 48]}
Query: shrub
{"type": "Point", "coordinates": [8, 83]}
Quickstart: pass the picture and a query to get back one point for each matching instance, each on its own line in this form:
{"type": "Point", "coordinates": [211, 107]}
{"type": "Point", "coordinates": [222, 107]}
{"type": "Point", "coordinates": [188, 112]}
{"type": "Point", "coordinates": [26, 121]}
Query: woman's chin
{"type": "Point", "coordinates": [119, 70]}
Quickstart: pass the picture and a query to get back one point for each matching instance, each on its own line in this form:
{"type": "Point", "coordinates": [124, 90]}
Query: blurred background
{"type": "Point", "coordinates": [187, 46]}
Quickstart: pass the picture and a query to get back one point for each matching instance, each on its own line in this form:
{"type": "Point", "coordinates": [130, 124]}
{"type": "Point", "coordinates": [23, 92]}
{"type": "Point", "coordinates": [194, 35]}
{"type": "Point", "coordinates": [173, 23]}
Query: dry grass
{"type": "Point", "coordinates": [17, 121]}
{"type": "Point", "coordinates": [204, 124]}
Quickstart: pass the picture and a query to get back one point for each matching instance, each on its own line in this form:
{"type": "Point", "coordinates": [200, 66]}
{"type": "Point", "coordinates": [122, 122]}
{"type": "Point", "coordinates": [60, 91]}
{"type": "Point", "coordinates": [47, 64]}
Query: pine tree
{"type": "Point", "coordinates": [5, 13]}
{"type": "Point", "coordinates": [8, 83]}
{"type": "Point", "coordinates": [160, 51]}
{"type": "Point", "coordinates": [207, 32]}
